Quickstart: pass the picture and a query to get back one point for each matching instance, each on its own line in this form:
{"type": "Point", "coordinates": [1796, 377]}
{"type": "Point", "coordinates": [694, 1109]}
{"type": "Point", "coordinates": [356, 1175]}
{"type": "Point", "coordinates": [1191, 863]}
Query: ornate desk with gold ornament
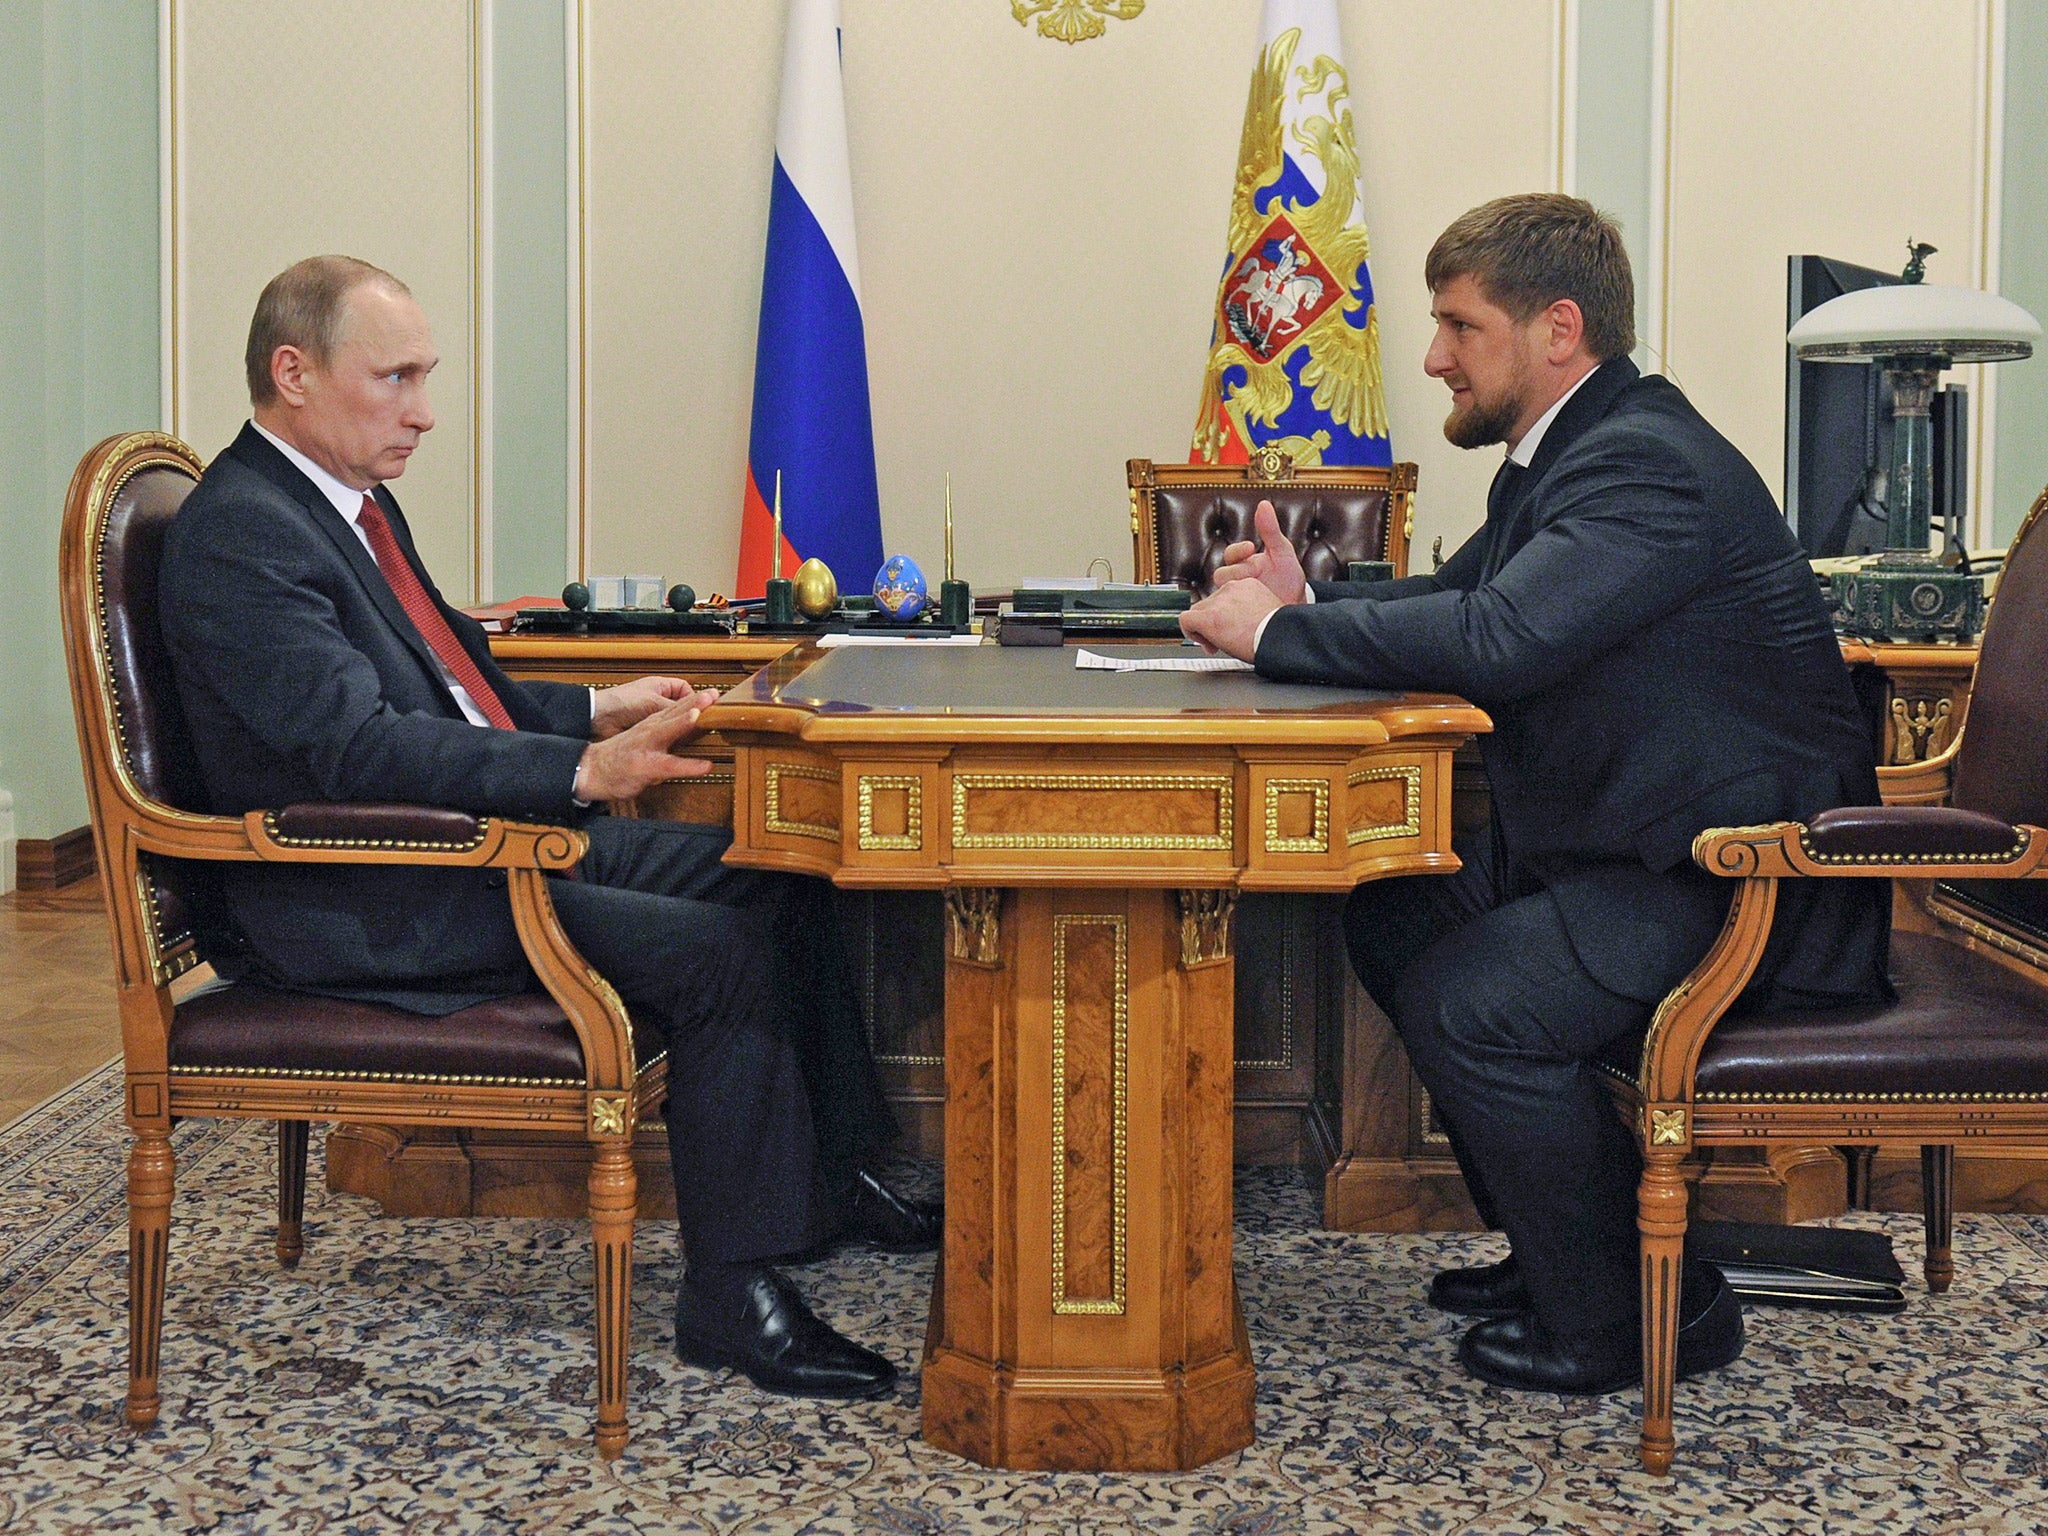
{"type": "Point", "coordinates": [1091, 832]}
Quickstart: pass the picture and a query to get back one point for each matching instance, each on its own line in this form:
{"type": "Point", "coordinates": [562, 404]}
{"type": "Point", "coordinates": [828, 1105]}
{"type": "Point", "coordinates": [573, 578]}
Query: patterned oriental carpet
{"type": "Point", "coordinates": [435, 1376]}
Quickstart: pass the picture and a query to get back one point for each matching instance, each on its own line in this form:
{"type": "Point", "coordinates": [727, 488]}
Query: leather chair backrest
{"type": "Point", "coordinates": [2001, 765]}
{"type": "Point", "coordinates": [1331, 517]}
{"type": "Point", "coordinates": [153, 739]}
{"type": "Point", "coordinates": [1327, 530]}
{"type": "Point", "coordinates": [2001, 762]}
{"type": "Point", "coordinates": [155, 742]}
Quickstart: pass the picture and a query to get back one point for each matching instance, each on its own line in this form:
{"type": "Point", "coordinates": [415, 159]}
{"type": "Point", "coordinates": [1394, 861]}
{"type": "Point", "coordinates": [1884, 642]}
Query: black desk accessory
{"type": "Point", "coordinates": [781, 592]}
{"type": "Point", "coordinates": [956, 599]}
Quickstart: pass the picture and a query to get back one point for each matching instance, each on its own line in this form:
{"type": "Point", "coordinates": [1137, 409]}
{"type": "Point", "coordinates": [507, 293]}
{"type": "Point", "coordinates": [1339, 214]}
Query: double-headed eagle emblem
{"type": "Point", "coordinates": [1289, 281]}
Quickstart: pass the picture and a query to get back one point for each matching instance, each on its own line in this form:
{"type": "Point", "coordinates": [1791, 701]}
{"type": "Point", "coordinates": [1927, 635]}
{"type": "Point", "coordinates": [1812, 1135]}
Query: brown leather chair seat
{"type": "Point", "coordinates": [522, 1039]}
{"type": "Point", "coordinates": [1962, 1025]}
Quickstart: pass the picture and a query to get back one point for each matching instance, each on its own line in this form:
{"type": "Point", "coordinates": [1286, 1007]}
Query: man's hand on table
{"type": "Point", "coordinates": [1252, 582]}
{"type": "Point", "coordinates": [1228, 619]}
{"type": "Point", "coordinates": [612, 710]}
{"type": "Point", "coordinates": [1275, 565]}
{"type": "Point", "coordinates": [641, 756]}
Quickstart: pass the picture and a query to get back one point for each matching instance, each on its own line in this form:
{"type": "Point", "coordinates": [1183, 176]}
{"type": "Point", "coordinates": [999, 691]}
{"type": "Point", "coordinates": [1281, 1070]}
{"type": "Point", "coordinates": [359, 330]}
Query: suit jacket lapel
{"type": "Point", "coordinates": [253, 449]}
{"type": "Point", "coordinates": [1594, 400]}
{"type": "Point", "coordinates": [1516, 490]}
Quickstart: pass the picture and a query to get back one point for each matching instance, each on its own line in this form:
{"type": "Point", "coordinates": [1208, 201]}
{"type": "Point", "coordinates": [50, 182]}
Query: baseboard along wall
{"type": "Point", "coordinates": [46, 863]}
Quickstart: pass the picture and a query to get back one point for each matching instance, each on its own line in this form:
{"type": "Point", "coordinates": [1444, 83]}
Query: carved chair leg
{"type": "Point", "coordinates": [1661, 1218]}
{"type": "Point", "coordinates": [291, 1191]}
{"type": "Point", "coordinates": [614, 1200]}
{"type": "Point", "coordinates": [152, 1173]}
{"type": "Point", "coordinates": [1938, 1199]}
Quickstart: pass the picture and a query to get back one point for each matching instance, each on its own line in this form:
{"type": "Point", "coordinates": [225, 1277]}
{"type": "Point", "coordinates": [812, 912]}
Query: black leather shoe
{"type": "Point", "coordinates": [1490, 1290]}
{"type": "Point", "coordinates": [775, 1341]}
{"type": "Point", "coordinates": [893, 1222]}
{"type": "Point", "coordinates": [1520, 1352]}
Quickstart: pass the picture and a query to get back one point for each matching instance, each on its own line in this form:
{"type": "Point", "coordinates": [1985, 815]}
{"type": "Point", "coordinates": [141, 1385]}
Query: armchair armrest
{"type": "Point", "coordinates": [408, 834]}
{"type": "Point", "coordinates": [1877, 842]}
{"type": "Point", "coordinates": [322, 824]}
{"type": "Point", "coordinates": [357, 834]}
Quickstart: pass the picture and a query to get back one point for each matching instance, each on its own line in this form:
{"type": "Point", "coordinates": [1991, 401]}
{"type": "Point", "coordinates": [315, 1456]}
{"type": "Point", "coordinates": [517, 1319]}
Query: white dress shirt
{"type": "Point", "coordinates": [1523, 454]}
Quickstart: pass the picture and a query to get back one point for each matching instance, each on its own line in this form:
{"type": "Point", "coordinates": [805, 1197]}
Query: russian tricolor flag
{"type": "Point", "coordinates": [811, 417]}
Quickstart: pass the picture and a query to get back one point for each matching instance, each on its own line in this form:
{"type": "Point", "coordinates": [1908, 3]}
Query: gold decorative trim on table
{"type": "Point", "coordinates": [1317, 839]}
{"type": "Point", "coordinates": [1410, 824]}
{"type": "Point", "coordinates": [974, 924]}
{"type": "Point", "coordinates": [1074, 21]}
{"type": "Point", "coordinates": [1431, 1136]}
{"type": "Point", "coordinates": [773, 820]}
{"type": "Point", "coordinates": [1112, 1305]}
{"type": "Point", "coordinates": [1917, 735]}
{"type": "Point", "coordinates": [1204, 926]}
{"type": "Point", "coordinates": [1218, 784]}
{"type": "Point", "coordinates": [911, 839]}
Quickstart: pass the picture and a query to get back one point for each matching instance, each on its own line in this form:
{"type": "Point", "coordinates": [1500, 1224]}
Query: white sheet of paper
{"type": "Point", "coordinates": [829, 642]}
{"type": "Point", "coordinates": [1087, 660]}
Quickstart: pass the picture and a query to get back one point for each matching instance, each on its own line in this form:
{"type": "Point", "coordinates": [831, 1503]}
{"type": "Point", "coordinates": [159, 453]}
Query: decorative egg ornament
{"type": "Point", "coordinates": [817, 589]}
{"type": "Point", "coordinates": [900, 591]}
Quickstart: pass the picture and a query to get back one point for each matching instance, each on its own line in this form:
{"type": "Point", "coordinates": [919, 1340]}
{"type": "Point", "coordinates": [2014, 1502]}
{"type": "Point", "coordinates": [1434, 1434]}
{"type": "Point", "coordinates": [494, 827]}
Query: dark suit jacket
{"type": "Point", "coordinates": [1652, 646]}
{"type": "Point", "coordinates": [302, 679]}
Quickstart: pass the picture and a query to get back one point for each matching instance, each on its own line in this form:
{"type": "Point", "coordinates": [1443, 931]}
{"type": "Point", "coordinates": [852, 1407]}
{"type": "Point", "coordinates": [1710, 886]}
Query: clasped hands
{"type": "Point", "coordinates": [1253, 581]}
{"type": "Point", "coordinates": [634, 729]}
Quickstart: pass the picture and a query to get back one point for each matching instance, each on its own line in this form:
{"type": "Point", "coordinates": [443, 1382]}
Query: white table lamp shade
{"type": "Point", "coordinates": [1964, 325]}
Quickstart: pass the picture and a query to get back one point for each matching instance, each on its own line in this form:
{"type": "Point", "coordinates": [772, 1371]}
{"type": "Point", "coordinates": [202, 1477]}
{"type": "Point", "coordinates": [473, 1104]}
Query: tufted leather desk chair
{"type": "Point", "coordinates": [564, 1058]}
{"type": "Point", "coordinates": [1183, 516]}
{"type": "Point", "coordinates": [1961, 1055]}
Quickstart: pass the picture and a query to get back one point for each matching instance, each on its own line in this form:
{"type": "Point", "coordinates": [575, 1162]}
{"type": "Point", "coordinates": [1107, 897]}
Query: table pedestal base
{"type": "Point", "coordinates": [1085, 1316]}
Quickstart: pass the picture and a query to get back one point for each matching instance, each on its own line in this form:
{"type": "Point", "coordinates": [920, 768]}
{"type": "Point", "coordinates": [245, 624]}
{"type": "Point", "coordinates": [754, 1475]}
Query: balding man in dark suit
{"type": "Point", "coordinates": [316, 661]}
{"type": "Point", "coordinates": [1651, 645]}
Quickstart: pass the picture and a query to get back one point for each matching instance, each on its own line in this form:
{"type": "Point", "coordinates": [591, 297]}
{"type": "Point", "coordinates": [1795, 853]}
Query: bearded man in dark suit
{"type": "Point", "coordinates": [1651, 644]}
{"type": "Point", "coordinates": [316, 661]}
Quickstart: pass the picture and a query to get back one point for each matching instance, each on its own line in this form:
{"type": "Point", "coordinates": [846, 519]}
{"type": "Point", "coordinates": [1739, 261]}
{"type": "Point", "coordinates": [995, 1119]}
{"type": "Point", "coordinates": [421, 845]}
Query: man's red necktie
{"type": "Point", "coordinates": [426, 618]}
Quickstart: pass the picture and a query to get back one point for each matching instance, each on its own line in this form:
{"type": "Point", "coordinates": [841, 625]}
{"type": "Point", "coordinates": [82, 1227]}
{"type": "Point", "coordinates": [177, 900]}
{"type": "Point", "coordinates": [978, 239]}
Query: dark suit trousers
{"type": "Point", "coordinates": [1501, 1022]}
{"type": "Point", "coordinates": [773, 1101]}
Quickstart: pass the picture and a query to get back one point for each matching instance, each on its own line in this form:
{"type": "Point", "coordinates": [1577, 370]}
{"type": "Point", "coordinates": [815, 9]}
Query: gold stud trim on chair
{"type": "Point", "coordinates": [315, 1074]}
{"type": "Point", "coordinates": [394, 844]}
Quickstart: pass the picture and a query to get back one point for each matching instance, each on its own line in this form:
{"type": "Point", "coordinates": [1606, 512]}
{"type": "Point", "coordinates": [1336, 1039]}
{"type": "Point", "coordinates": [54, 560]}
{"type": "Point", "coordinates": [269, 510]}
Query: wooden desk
{"type": "Point", "coordinates": [1320, 1077]}
{"type": "Point", "coordinates": [1307, 1044]}
{"type": "Point", "coordinates": [1091, 833]}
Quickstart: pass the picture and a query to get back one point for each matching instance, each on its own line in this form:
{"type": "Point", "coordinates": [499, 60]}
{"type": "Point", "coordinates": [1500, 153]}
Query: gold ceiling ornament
{"type": "Point", "coordinates": [1074, 21]}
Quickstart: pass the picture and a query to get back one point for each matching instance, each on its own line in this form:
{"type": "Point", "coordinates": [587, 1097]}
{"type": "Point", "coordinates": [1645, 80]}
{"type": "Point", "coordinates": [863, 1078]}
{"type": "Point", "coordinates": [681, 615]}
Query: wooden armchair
{"type": "Point", "coordinates": [1960, 1056]}
{"type": "Point", "coordinates": [1183, 516]}
{"type": "Point", "coordinates": [567, 1058]}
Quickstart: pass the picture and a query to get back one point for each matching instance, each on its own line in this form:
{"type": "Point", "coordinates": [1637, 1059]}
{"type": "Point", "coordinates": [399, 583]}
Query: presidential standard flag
{"type": "Point", "coordinates": [1294, 356]}
{"type": "Point", "coordinates": [811, 418]}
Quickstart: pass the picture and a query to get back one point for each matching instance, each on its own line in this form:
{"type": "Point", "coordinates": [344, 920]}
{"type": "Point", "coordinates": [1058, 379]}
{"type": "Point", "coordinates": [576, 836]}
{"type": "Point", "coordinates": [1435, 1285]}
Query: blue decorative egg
{"type": "Point", "coordinates": [900, 591]}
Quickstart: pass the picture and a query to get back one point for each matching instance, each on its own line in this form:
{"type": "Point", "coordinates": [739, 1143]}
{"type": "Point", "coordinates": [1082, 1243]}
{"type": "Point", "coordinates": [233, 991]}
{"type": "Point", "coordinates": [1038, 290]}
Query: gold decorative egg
{"type": "Point", "coordinates": [817, 591]}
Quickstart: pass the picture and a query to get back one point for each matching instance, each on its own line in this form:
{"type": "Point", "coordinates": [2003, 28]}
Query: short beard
{"type": "Point", "coordinates": [1480, 426]}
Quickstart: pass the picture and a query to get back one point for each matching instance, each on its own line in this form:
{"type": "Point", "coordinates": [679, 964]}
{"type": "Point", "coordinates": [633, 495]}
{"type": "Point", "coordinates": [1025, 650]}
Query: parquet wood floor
{"type": "Point", "coordinates": [58, 1019]}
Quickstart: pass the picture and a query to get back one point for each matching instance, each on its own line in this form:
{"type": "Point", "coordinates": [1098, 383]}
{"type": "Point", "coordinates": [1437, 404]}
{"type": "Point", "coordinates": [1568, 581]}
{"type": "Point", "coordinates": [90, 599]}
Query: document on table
{"type": "Point", "coordinates": [1089, 661]}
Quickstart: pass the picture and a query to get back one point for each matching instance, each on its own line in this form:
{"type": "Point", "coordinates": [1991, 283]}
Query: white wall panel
{"type": "Point", "coordinates": [302, 129]}
{"type": "Point", "coordinates": [1807, 126]}
{"type": "Point", "coordinates": [1040, 231]}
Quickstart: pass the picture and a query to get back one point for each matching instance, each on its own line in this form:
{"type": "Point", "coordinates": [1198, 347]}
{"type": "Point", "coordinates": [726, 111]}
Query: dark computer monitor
{"type": "Point", "coordinates": [1838, 420]}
